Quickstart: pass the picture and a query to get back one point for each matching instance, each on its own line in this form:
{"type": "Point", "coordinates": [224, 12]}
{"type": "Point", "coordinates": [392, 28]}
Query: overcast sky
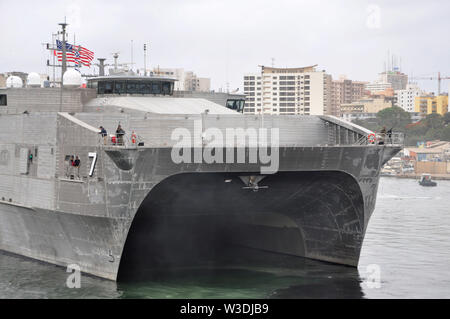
{"type": "Point", "coordinates": [225, 39]}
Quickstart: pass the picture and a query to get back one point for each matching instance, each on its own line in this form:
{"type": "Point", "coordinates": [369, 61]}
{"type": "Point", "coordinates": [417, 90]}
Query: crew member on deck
{"type": "Point", "coordinates": [76, 164]}
{"type": "Point", "coordinates": [119, 134]}
{"type": "Point", "coordinates": [104, 134]}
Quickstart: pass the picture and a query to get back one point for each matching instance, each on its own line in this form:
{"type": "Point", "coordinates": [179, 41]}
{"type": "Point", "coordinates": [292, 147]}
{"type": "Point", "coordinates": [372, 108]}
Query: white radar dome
{"type": "Point", "coordinates": [34, 80]}
{"type": "Point", "coordinates": [72, 78]}
{"type": "Point", "coordinates": [14, 82]}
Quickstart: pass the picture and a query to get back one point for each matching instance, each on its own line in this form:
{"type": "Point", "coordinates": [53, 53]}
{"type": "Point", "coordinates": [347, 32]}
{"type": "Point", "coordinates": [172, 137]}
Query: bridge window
{"type": "Point", "coordinates": [237, 105]}
{"type": "Point", "coordinates": [166, 88]}
{"type": "Point", "coordinates": [108, 87]}
{"type": "Point", "coordinates": [120, 87]}
{"type": "Point", "coordinates": [156, 88]}
{"type": "Point", "coordinates": [3, 100]}
{"type": "Point", "coordinates": [101, 88]}
{"type": "Point", "coordinates": [144, 88]}
{"type": "Point", "coordinates": [132, 87]}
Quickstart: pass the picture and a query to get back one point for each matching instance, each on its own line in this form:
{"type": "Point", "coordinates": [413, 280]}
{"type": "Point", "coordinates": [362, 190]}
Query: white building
{"type": "Point", "coordinates": [376, 87]}
{"type": "Point", "coordinates": [406, 98]}
{"type": "Point", "coordinates": [288, 91]}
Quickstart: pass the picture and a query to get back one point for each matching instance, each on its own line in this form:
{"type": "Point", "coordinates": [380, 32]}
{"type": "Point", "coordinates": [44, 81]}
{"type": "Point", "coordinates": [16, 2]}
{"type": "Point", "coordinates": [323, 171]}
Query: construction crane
{"type": "Point", "coordinates": [439, 78]}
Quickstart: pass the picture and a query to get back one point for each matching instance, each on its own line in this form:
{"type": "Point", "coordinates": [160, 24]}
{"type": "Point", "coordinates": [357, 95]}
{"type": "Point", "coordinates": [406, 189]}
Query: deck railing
{"type": "Point", "coordinates": [126, 141]}
{"type": "Point", "coordinates": [396, 138]}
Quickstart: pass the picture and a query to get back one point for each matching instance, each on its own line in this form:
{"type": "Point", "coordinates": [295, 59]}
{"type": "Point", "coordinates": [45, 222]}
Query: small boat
{"type": "Point", "coordinates": [425, 180]}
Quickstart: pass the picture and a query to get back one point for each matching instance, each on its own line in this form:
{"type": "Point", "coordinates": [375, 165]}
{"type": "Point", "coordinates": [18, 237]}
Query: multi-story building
{"type": "Point", "coordinates": [365, 108]}
{"type": "Point", "coordinates": [376, 87]}
{"type": "Point", "coordinates": [397, 79]}
{"type": "Point", "coordinates": [196, 84]}
{"type": "Point", "coordinates": [376, 104]}
{"type": "Point", "coordinates": [344, 91]}
{"type": "Point", "coordinates": [388, 80]}
{"type": "Point", "coordinates": [3, 78]}
{"type": "Point", "coordinates": [186, 80]}
{"type": "Point", "coordinates": [358, 116]}
{"type": "Point", "coordinates": [406, 98]}
{"type": "Point", "coordinates": [429, 104]}
{"type": "Point", "coordinates": [288, 91]}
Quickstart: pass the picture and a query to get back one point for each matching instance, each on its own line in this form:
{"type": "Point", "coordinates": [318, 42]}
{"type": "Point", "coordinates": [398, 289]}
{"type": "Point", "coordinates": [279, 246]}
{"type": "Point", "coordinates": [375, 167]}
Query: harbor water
{"type": "Point", "coordinates": [406, 254]}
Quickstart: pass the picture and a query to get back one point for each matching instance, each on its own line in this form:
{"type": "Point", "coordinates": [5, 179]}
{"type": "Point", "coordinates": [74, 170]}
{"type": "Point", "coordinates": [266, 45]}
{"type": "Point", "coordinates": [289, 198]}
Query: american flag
{"type": "Point", "coordinates": [69, 47]}
{"type": "Point", "coordinates": [75, 53]}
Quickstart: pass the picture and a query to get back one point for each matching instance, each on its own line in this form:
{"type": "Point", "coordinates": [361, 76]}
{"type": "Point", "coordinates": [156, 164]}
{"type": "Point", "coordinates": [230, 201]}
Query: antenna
{"type": "Point", "coordinates": [273, 62]}
{"type": "Point", "coordinates": [115, 56]}
{"type": "Point", "coordinates": [131, 54]}
{"type": "Point", "coordinates": [145, 59]}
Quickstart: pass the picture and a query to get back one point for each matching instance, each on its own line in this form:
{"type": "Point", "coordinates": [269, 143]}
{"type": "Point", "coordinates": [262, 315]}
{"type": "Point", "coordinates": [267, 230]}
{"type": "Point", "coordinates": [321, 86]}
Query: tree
{"type": "Point", "coordinates": [434, 121]}
{"type": "Point", "coordinates": [447, 118]}
{"type": "Point", "coordinates": [393, 117]}
{"type": "Point", "coordinates": [446, 133]}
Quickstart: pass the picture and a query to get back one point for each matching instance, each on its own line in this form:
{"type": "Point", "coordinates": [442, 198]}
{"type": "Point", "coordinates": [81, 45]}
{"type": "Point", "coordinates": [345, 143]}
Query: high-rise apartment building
{"type": "Point", "coordinates": [288, 91]}
{"type": "Point", "coordinates": [344, 91]}
{"type": "Point", "coordinates": [388, 79]}
{"type": "Point", "coordinates": [397, 79]}
{"type": "Point", "coordinates": [406, 98]}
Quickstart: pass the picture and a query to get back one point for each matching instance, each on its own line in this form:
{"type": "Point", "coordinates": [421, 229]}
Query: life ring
{"type": "Point", "coordinates": [371, 138]}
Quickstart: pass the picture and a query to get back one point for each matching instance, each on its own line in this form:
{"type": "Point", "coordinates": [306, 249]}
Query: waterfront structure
{"type": "Point", "coordinates": [429, 104]}
{"type": "Point", "coordinates": [288, 91]}
{"type": "Point", "coordinates": [432, 158]}
{"type": "Point", "coordinates": [344, 91]}
{"type": "Point", "coordinates": [406, 98]}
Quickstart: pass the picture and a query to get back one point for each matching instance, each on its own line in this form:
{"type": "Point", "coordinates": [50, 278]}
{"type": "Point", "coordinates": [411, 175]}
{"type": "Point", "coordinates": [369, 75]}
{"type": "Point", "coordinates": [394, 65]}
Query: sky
{"type": "Point", "coordinates": [223, 40]}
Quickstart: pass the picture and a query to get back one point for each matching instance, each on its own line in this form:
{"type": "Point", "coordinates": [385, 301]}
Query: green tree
{"type": "Point", "coordinates": [446, 133]}
{"type": "Point", "coordinates": [434, 121]}
{"type": "Point", "coordinates": [434, 134]}
{"type": "Point", "coordinates": [447, 118]}
{"type": "Point", "coordinates": [393, 117]}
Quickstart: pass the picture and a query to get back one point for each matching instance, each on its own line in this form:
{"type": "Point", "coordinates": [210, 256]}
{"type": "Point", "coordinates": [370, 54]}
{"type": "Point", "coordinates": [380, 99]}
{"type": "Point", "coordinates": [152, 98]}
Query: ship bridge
{"type": "Point", "coordinates": [132, 84]}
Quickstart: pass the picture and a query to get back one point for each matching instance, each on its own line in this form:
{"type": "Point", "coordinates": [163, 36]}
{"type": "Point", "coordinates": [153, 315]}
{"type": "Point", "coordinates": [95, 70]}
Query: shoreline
{"type": "Point", "coordinates": [417, 176]}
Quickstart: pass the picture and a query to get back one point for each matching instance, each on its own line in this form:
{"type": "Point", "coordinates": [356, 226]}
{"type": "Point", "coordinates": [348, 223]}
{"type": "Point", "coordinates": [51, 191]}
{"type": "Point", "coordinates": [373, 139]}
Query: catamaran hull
{"type": "Point", "coordinates": [157, 214]}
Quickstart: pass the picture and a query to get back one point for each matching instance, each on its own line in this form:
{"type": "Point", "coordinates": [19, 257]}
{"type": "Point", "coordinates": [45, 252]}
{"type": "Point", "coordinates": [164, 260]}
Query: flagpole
{"type": "Point", "coordinates": [64, 60]}
{"type": "Point", "coordinates": [54, 62]}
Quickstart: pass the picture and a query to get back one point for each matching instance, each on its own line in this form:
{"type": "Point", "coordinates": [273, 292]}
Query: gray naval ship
{"type": "Point", "coordinates": [130, 205]}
